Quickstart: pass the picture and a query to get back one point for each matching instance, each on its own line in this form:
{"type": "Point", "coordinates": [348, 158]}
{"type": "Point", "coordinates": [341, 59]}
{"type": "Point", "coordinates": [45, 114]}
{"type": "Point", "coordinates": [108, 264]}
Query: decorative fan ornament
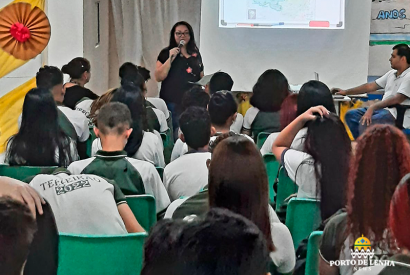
{"type": "Point", "coordinates": [24, 32]}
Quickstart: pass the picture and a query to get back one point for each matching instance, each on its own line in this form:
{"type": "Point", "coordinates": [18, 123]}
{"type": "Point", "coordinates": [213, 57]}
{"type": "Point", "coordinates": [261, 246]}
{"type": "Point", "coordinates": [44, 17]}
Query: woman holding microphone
{"type": "Point", "coordinates": [177, 65]}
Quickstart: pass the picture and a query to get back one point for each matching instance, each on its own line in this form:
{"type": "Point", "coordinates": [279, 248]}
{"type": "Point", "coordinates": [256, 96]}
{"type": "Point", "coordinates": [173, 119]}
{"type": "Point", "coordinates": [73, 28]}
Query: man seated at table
{"type": "Point", "coordinates": [396, 85]}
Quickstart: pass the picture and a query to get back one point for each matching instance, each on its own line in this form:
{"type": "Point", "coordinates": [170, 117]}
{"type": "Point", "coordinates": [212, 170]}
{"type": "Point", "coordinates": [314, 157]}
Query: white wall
{"type": "Point", "coordinates": [66, 42]}
{"type": "Point", "coordinates": [339, 56]}
{"type": "Point", "coordinates": [379, 59]}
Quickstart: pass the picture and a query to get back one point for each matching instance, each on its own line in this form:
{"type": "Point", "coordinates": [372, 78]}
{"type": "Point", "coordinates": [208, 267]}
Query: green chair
{"type": "Point", "coordinates": [143, 207]}
{"type": "Point", "coordinates": [160, 171]}
{"type": "Point", "coordinates": [286, 187]}
{"type": "Point", "coordinates": [272, 167]}
{"type": "Point", "coordinates": [165, 139]}
{"type": "Point", "coordinates": [90, 140]}
{"type": "Point", "coordinates": [261, 138]}
{"type": "Point", "coordinates": [302, 218]}
{"type": "Point", "coordinates": [312, 258]}
{"type": "Point", "coordinates": [24, 172]}
{"type": "Point", "coordinates": [100, 255]}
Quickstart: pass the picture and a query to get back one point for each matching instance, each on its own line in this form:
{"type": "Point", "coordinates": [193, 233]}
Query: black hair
{"type": "Point", "coordinates": [196, 96]}
{"type": "Point", "coordinates": [17, 230]}
{"type": "Point", "coordinates": [223, 243]}
{"type": "Point", "coordinates": [131, 96]}
{"type": "Point", "coordinates": [40, 136]}
{"type": "Point", "coordinates": [191, 45]}
{"type": "Point", "coordinates": [326, 138]}
{"type": "Point", "coordinates": [49, 76]}
{"type": "Point", "coordinates": [129, 73]}
{"type": "Point", "coordinates": [269, 91]}
{"type": "Point", "coordinates": [195, 124]}
{"type": "Point", "coordinates": [114, 117]}
{"type": "Point", "coordinates": [221, 106]}
{"type": "Point", "coordinates": [144, 72]}
{"type": "Point", "coordinates": [220, 81]}
{"type": "Point", "coordinates": [314, 93]}
{"type": "Point", "coordinates": [403, 50]}
{"type": "Point", "coordinates": [76, 67]}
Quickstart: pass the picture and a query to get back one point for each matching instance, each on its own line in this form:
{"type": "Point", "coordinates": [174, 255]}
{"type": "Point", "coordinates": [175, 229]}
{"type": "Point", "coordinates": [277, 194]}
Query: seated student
{"type": "Point", "coordinates": [223, 243]}
{"type": "Point", "coordinates": [399, 225]}
{"type": "Point", "coordinates": [17, 230]}
{"type": "Point", "coordinates": [134, 177]}
{"type": "Point", "coordinates": [288, 112]}
{"type": "Point", "coordinates": [381, 159]}
{"type": "Point", "coordinates": [321, 170]}
{"type": "Point", "coordinates": [188, 174]}
{"type": "Point", "coordinates": [43, 255]}
{"type": "Point", "coordinates": [221, 81]}
{"type": "Point", "coordinates": [51, 78]}
{"type": "Point", "coordinates": [268, 94]}
{"type": "Point", "coordinates": [195, 97]}
{"type": "Point", "coordinates": [144, 143]}
{"type": "Point", "coordinates": [396, 85]}
{"type": "Point", "coordinates": [156, 118]}
{"type": "Point", "coordinates": [79, 70]}
{"type": "Point", "coordinates": [313, 93]}
{"type": "Point", "coordinates": [244, 193]}
{"type": "Point", "coordinates": [40, 140]}
{"type": "Point", "coordinates": [86, 204]}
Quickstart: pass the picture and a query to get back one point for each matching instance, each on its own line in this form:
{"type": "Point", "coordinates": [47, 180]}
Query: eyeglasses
{"type": "Point", "coordinates": [179, 34]}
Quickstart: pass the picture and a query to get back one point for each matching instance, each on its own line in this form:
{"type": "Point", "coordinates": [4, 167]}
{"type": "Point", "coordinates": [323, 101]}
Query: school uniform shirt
{"type": "Point", "coordinates": [187, 175]}
{"type": "Point", "coordinates": [85, 108]}
{"type": "Point", "coordinates": [298, 142]}
{"type": "Point", "coordinates": [300, 168]}
{"type": "Point", "coordinates": [237, 125]}
{"type": "Point", "coordinates": [336, 245]}
{"type": "Point", "coordinates": [78, 120]}
{"type": "Point", "coordinates": [393, 85]}
{"type": "Point", "coordinates": [401, 267]}
{"type": "Point", "coordinates": [181, 148]}
{"type": "Point", "coordinates": [284, 255]}
{"type": "Point", "coordinates": [133, 176]}
{"type": "Point", "coordinates": [159, 104]}
{"type": "Point", "coordinates": [82, 204]}
{"type": "Point", "coordinates": [150, 149]}
{"type": "Point", "coordinates": [257, 121]}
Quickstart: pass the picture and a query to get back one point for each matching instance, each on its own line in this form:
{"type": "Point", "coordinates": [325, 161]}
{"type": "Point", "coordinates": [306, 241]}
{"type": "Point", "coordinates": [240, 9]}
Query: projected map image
{"type": "Point", "coordinates": [282, 13]}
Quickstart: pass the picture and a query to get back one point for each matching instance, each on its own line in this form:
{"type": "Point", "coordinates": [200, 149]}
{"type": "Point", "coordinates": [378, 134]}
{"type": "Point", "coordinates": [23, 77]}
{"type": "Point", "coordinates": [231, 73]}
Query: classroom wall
{"type": "Point", "coordinates": [66, 42]}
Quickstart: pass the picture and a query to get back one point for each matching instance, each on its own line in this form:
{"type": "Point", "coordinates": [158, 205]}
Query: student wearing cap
{"type": "Point", "coordinates": [133, 176]}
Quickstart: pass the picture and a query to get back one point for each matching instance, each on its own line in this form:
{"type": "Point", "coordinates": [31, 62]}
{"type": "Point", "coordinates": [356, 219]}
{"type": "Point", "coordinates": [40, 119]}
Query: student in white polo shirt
{"type": "Point", "coordinates": [133, 176]}
{"type": "Point", "coordinates": [188, 174]}
{"type": "Point", "coordinates": [86, 204]}
{"type": "Point", "coordinates": [396, 85]}
{"type": "Point", "coordinates": [51, 78]}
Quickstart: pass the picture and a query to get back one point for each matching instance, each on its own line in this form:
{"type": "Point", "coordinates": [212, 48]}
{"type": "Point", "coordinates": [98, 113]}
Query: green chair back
{"type": "Point", "coordinates": [24, 172]}
{"type": "Point", "coordinates": [143, 207]}
{"type": "Point", "coordinates": [312, 258]}
{"type": "Point", "coordinates": [261, 138]}
{"type": "Point", "coordinates": [302, 218]}
{"type": "Point", "coordinates": [165, 139]}
{"type": "Point", "coordinates": [90, 140]}
{"type": "Point", "coordinates": [272, 167]}
{"type": "Point", "coordinates": [286, 187]}
{"type": "Point", "coordinates": [100, 255]}
{"type": "Point", "coordinates": [160, 171]}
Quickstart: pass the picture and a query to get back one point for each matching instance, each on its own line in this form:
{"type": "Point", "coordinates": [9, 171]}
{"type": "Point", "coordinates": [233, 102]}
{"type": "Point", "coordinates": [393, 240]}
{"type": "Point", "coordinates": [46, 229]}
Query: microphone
{"type": "Point", "coordinates": [181, 44]}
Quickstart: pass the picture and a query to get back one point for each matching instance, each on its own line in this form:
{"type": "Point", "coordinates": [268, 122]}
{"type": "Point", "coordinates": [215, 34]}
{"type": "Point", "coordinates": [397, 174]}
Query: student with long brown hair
{"type": "Point", "coordinates": [382, 158]}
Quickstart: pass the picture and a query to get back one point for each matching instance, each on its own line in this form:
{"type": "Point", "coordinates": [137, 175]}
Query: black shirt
{"type": "Point", "coordinates": [75, 93]}
{"type": "Point", "coordinates": [183, 70]}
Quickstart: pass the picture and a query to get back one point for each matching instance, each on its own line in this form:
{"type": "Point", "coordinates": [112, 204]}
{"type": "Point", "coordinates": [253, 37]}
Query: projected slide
{"type": "Point", "coordinates": [304, 14]}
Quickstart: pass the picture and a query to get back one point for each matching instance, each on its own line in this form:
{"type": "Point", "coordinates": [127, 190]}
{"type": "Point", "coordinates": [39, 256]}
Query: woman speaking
{"type": "Point", "coordinates": [177, 65]}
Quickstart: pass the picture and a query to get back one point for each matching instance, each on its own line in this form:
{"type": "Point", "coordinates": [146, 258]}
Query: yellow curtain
{"type": "Point", "coordinates": [11, 106]}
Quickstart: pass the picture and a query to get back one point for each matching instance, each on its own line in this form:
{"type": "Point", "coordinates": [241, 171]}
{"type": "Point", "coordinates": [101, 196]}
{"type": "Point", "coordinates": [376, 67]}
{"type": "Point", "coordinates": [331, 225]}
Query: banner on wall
{"type": "Point", "coordinates": [390, 22]}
